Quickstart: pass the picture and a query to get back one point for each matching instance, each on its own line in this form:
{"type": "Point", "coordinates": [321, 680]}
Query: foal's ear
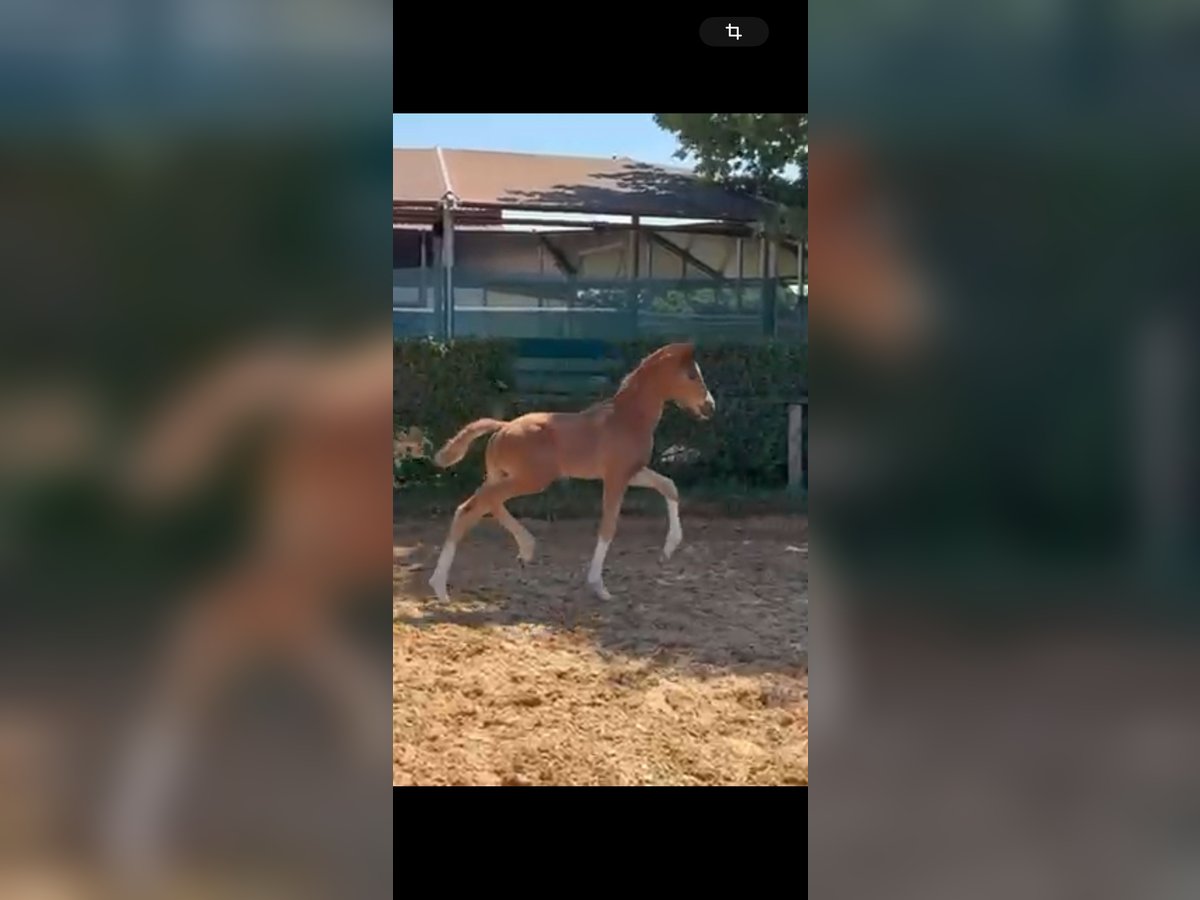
{"type": "Point", "coordinates": [687, 353]}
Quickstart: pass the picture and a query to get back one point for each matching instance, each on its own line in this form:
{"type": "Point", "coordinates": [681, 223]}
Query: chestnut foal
{"type": "Point", "coordinates": [611, 441]}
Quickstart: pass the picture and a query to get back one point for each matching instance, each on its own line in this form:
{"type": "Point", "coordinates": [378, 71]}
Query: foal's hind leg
{"type": "Point", "coordinates": [469, 512]}
{"type": "Point", "coordinates": [665, 486]}
{"type": "Point", "coordinates": [488, 499]}
{"type": "Point", "coordinates": [525, 540]}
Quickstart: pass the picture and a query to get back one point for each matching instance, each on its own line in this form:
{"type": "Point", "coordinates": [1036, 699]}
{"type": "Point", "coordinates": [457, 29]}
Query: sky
{"type": "Point", "coordinates": [578, 134]}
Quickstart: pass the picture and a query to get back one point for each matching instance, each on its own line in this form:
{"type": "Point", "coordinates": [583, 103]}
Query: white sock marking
{"type": "Point", "coordinates": [675, 531]}
{"type": "Point", "coordinates": [595, 573]}
{"type": "Point", "coordinates": [143, 791]}
{"type": "Point", "coordinates": [438, 581]}
{"type": "Point", "coordinates": [707, 394]}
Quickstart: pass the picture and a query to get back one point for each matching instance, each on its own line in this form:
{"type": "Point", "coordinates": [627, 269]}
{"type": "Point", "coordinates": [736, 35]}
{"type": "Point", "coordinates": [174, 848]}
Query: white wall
{"type": "Point", "coordinates": [522, 254]}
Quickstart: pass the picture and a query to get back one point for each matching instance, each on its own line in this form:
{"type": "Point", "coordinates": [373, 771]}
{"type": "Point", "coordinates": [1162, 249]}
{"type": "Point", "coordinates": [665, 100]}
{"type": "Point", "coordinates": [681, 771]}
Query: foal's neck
{"type": "Point", "coordinates": [640, 403]}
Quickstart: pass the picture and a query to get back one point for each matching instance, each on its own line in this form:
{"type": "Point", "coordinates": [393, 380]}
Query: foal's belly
{"type": "Point", "coordinates": [592, 460]}
{"type": "Point", "coordinates": [586, 470]}
{"type": "Point", "coordinates": [580, 450]}
{"type": "Point", "coordinates": [580, 458]}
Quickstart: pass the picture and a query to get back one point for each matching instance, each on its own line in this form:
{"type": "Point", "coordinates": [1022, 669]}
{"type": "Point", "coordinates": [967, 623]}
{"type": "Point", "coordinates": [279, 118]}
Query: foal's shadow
{"type": "Point", "coordinates": [732, 598]}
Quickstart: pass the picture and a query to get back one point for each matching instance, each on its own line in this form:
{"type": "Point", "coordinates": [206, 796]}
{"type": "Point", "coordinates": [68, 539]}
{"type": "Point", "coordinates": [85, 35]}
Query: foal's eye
{"type": "Point", "coordinates": [693, 374]}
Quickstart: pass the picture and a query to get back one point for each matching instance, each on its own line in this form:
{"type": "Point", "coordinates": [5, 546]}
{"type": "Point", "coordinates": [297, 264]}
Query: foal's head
{"type": "Point", "coordinates": [678, 378]}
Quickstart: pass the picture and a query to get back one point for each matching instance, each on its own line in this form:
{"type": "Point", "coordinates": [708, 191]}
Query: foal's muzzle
{"type": "Point", "coordinates": [706, 409]}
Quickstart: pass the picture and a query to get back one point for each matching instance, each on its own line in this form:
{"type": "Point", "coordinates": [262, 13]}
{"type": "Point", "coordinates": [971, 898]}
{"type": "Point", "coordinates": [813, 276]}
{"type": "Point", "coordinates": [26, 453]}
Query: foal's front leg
{"type": "Point", "coordinates": [665, 486]}
{"type": "Point", "coordinates": [614, 493]}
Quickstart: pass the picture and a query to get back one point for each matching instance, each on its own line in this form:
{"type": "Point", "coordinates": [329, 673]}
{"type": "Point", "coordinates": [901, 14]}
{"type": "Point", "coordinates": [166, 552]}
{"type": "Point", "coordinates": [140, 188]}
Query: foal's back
{"type": "Point", "coordinates": [555, 445]}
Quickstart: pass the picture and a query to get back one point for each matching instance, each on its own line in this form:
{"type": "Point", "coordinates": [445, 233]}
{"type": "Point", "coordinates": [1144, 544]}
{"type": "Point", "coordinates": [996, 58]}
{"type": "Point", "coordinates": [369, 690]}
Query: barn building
{"type": "Point", "coordinates": [533, 246]}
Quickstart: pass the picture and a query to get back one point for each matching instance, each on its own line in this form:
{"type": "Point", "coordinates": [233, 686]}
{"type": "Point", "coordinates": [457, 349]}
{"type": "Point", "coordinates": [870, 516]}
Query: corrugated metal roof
{"type": "Point", "coordinates": [416, 175]}
{"type": "Point", "coordinates": [622, 186]}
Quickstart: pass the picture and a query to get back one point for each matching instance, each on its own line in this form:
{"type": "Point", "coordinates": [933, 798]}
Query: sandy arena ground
{"type": "Point", "coordinates": [695, 673]}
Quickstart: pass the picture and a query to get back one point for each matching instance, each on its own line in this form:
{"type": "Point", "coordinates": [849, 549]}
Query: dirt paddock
{"type": "Point", "coordinates": [695, 673]}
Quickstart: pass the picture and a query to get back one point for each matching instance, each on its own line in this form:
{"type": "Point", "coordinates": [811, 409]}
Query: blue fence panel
{"type": "Point", "coordinates": [523, 306]}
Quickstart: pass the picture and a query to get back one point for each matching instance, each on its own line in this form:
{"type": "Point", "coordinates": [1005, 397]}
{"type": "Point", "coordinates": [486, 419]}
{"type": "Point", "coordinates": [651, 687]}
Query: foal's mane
{"type": "Point", "coordinates": [642, 368]}
{"type": "Point", "coordinates": [669, 351]}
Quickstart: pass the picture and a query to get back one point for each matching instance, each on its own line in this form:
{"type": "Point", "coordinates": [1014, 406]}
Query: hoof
{"type": "Point", "coordinates": [669, 548]}
{"type": "Point", "coordinates": [439, 588]}
{"type": "Point", "coordinates": [600, 590]}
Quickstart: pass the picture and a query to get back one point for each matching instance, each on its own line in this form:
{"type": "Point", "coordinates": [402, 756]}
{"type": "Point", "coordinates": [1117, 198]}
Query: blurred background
{"type": "Point", "coordinates": [193, 210]}
{"type": "Point", "coordinates": [1004, 457]}
{"type": "Point", "coordinates": [1003, 505]}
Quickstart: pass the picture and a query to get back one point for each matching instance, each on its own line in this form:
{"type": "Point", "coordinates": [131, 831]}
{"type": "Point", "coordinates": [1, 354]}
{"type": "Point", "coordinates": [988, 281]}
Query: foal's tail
{"type": "Point", "coordinates": [456, 448]}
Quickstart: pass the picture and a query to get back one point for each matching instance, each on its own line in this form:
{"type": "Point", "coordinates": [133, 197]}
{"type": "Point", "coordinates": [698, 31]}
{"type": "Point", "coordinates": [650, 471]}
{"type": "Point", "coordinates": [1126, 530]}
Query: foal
{"type": "Point", "coordinates": [321, 530]}
{"type": "Point", "coordinates": [610, 441]}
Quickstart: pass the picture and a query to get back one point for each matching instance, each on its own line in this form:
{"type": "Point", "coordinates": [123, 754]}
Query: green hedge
{"type": "Point", "coordinates": [443, 386]}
